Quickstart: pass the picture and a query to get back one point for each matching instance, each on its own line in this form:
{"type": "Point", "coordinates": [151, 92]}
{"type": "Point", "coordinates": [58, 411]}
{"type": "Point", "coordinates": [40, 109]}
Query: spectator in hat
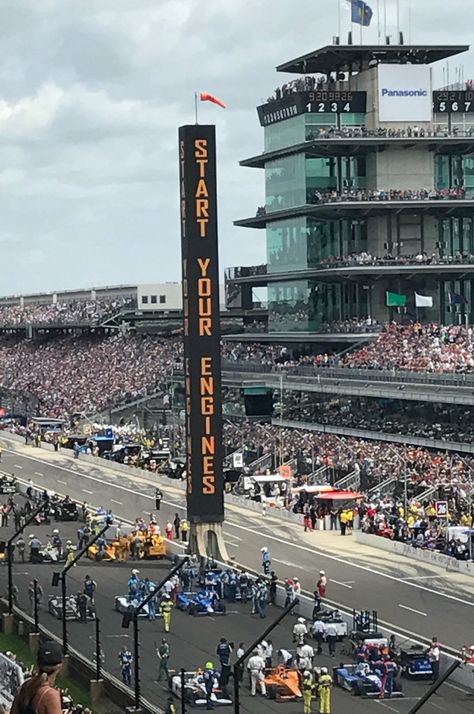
{"type": "Point", "coordinates": [39, 694]}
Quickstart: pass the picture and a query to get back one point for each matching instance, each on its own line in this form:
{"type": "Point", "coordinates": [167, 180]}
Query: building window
{"type": "Point", "coordinates": [162, 299]}
{"type": "Point", "coordinates": [144, 299]}
{"type": "Point", "coordinates": [153, 300]}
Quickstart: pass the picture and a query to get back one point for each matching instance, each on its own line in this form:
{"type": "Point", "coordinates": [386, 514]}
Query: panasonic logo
{"type": "Point", "coordinates": [404, 92]}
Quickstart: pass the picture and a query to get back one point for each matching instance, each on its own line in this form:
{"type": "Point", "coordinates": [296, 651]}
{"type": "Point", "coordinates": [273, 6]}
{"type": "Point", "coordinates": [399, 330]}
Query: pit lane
{"type": "Point", "coordinates": [192, 639]}
{"type": "Point", "coordinates": [376, 584]}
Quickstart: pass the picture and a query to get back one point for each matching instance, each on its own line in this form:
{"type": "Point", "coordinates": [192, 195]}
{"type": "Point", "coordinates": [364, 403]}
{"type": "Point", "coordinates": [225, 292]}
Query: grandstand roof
{"type": "Point", "coordinates": [345, 58]}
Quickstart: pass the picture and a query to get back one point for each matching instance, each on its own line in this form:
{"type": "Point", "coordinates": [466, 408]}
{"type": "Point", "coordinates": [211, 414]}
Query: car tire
{"type": "Point", "coordinates": [272, 691]}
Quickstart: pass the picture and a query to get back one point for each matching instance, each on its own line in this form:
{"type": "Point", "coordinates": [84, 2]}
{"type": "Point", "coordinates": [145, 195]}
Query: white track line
{"type": "Point", "coordinates": [411, 609]}
{"type": "Point", "coordinates": [344, 585]}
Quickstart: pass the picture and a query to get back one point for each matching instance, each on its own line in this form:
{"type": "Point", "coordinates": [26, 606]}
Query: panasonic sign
{"type": "Point", "coordinates": [404, 93]}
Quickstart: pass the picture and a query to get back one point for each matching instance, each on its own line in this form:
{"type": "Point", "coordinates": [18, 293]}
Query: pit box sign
{"type": "Point", "coordinates": [441, 509]}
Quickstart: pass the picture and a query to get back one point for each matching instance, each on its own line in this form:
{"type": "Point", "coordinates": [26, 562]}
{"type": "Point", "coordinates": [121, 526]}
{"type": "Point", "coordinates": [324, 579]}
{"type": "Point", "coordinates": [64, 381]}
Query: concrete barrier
{"type": "Point", "coordinates": [424, 556]}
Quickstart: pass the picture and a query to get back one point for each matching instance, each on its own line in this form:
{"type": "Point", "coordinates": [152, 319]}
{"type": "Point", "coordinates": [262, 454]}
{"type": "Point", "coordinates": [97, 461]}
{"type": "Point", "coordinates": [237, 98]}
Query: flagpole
{"type": "Point", "coordinates": [409, 22]}
{"type": "Point", "coordinates": [398, 22]}
{"type": "Point", "coordinates": [196, 107]}
{"type": "Point", "coordinates": [384, 19]}
{"type": "Point", "coordinates": [378, 22]}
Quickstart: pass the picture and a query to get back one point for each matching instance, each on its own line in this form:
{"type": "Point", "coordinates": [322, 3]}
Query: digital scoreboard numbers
{"type": "Point", "coordinates": [202, 366]}
{"type": "Point", "coordinates": [317, 102]}
{"type": "Point", "coordinates": [457, 102]}
{"type": "Point", "coordinates": [332, 102]}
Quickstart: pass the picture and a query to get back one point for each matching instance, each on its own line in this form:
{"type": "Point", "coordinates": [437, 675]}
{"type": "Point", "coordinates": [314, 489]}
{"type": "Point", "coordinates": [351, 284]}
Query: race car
{"type": "Point", "coordinates": [415, 663]}
{"type": "Point", "coordinates": [362, 682]}
{"type": "Point", "coordinates": [7, 485]}
{"type": "Point", "coordinates": [195, 691]}
{"type": "Point", "coordinates": [211, 578]}
{"type": "Point", "coordinates": [283, 684]}
{"type": "Point", "coordinates": [335, 617]}
{"type": "Point", "coordinates": [123, 604]}
{"type": "Point", "coordinates": [55, 607]}
{"type": "Point", "coordinates": [50, 554]}
{"type": "Point", "coordinates": [204, 602]}
{"type": "Point", "coordinates": [65, 511]}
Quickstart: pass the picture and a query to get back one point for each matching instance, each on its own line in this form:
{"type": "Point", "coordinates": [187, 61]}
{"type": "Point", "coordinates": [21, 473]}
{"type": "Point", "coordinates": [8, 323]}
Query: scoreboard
{"type": "Point", "coordinates": [453, 102]}
{"type": "Point", "coordinates": [318, 102]}
{"type": "Point", "coordinates": [340, 102]}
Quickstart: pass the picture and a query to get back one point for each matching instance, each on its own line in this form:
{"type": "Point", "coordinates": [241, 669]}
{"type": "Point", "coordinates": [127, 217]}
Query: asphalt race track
{"type": "Point", "coordinates": [193, 640]}
{"type": "Point", "coordinates": [420, 600]}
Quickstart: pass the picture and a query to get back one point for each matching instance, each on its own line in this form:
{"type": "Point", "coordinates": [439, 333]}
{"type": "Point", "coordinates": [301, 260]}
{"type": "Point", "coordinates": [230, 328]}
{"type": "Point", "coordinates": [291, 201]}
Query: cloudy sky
{"type": "Point", "coordinates": [91, 95]}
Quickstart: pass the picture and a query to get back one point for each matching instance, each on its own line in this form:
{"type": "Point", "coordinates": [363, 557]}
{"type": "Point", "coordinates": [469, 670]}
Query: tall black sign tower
{"type": "Point", "coordinates": [202, 361]}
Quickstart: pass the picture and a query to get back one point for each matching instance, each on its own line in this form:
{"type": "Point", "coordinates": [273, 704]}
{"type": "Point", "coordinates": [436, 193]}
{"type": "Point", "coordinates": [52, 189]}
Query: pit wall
{"type": "Point", "coordinates": [424, 556]}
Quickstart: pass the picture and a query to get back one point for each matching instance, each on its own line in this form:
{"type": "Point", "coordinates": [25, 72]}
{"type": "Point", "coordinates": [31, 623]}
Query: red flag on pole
{"type": "Point", "coordinates": [206, 97]}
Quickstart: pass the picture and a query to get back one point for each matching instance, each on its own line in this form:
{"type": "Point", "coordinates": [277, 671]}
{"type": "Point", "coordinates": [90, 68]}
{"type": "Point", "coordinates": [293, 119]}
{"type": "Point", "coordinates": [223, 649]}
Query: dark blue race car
{"type": "Point", "coordinates": [415, 663]}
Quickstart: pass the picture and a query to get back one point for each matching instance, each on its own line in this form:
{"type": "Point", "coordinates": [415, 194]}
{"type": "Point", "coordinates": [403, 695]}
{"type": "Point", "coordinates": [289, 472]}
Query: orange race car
{"type": "Point", "coordinates": [283, 684]}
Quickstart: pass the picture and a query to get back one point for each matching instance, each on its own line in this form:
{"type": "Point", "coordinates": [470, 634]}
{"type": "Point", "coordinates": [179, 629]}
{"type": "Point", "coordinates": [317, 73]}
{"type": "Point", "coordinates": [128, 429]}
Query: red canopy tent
{"type": "Point", "coordinates": [340, 496]}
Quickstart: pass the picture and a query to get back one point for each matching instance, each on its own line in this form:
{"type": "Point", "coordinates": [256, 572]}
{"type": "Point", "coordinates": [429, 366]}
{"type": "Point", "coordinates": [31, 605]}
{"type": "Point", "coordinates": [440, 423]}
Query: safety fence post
{"type": "Point", "coordinates": [62, 577]}
{"type": "Point", "coordinates": [133, 615]}
{"type": "Point", "coordinates": [238, 666]}
{"type": "Point", "coordinates": [9, 550]}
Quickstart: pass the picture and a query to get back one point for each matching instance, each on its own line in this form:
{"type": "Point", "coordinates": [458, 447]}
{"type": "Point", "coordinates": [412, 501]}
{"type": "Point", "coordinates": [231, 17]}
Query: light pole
{"type": "Point", "coordinates": [281, 417]}
{"type": "Point", "coordinates": [239, 664]}
{"type": "Point", "coordinates": [32, 517]}
{"type": "Point", "coordinates": [133, 615]}
{"type": "Point", "coordinates": [405, 481]}
{"type": "Point", "coordinates": [62, 577]}
{"type": "Point", "coordinates": [469, 505]}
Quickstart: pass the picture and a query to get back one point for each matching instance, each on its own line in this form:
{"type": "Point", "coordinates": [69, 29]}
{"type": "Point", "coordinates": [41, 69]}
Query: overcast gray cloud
{"type": "Point", "coordinates": [92, 93]}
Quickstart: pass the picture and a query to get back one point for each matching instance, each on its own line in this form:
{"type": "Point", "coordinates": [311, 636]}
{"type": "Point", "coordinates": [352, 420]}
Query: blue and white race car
{"type": "Point", "coordinates": [362, 682]}
{"type": "Point", "coordinates": [204, 602]}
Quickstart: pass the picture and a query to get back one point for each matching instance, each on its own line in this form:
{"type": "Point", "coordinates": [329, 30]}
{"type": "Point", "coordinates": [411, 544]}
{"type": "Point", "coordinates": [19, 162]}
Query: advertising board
{"type": "Point", "coordinates": [404, 93]}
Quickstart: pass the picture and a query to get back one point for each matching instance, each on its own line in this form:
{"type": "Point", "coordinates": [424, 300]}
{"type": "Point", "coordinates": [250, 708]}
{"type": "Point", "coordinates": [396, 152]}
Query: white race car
{"type": "Point", "coordinates": [195, 691]}
{"type": "Point", "coordinates": [123, 605]}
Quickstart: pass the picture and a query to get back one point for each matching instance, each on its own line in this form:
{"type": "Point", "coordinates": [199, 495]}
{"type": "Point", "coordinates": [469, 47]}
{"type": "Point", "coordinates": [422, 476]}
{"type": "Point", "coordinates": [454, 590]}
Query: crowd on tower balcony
{"type": "Point", "coordinates": [90, 312]}
{"type": "Point", "coordinates": [361, 132]}
{"type": "Point", "coordinates": [421, 258]}
{"type": "Point", "coordinates": [302, 84]}
{"type": "Point", "coordinates": [392, 194]}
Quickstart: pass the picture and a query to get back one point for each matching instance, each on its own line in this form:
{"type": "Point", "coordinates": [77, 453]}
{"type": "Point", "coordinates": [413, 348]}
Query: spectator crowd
{"type": "Point", "coordinates": [88, 373]}
{"type": "Point", "coordinates": [90, 312]}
